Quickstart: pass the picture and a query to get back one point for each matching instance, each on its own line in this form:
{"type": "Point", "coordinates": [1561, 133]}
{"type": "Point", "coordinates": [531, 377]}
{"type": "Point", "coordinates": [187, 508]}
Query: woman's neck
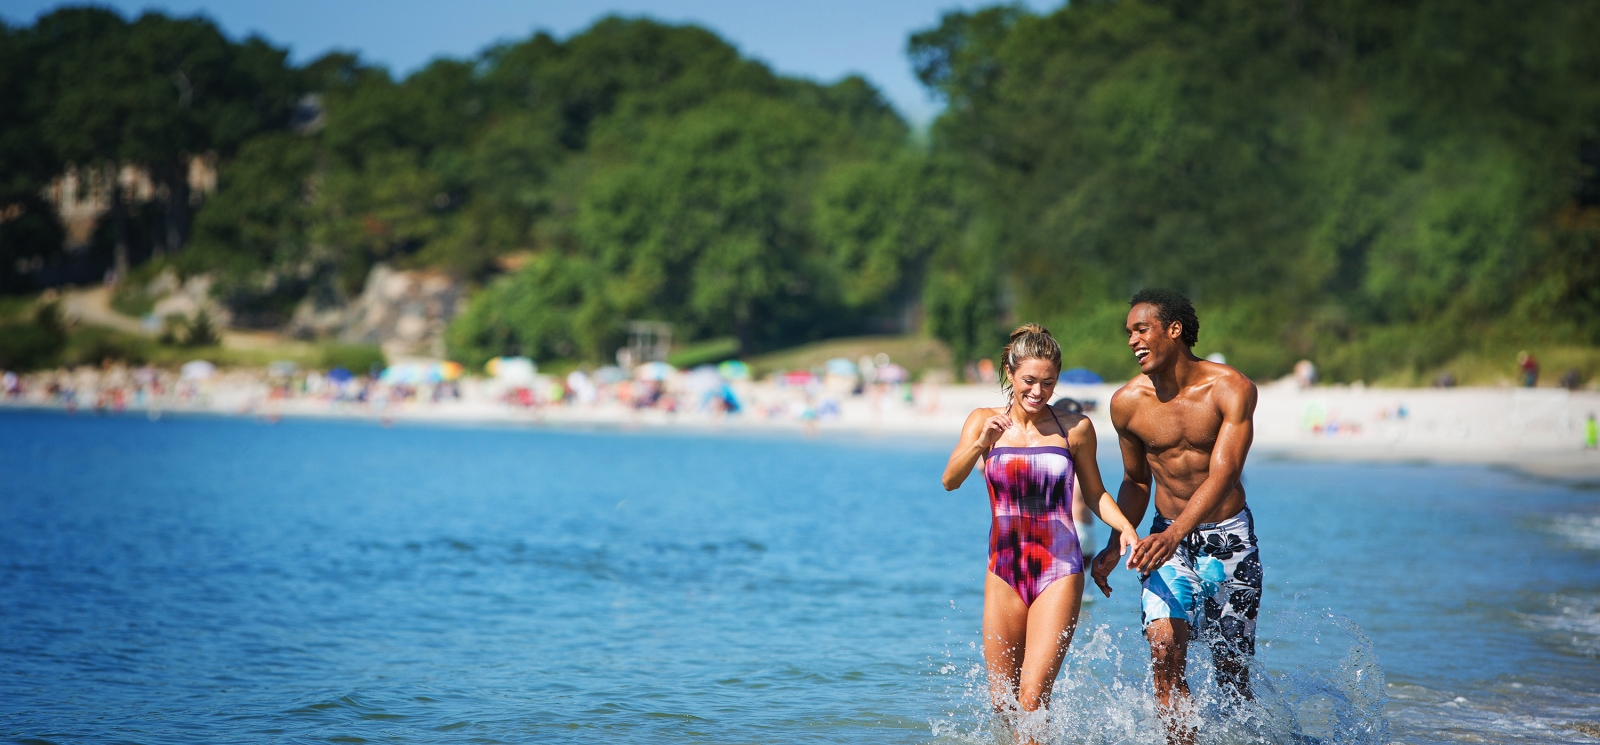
{"type": "Point", "coordinates": [1021, 416]}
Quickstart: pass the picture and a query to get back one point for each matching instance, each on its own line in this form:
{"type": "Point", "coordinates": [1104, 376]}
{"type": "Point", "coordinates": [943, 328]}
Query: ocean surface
{"type": "Point", "coordinates": [203, 580]}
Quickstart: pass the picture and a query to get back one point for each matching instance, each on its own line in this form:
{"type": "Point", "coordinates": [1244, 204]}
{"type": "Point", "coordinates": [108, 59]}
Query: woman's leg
{"type": "Point", "coordinates": [1005, 628]}
{"type": "Point", "coordinates": [1051, 620]}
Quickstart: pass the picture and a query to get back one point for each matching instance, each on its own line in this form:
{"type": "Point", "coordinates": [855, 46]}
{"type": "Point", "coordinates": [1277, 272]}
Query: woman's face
{"type": "Point", "coordinates": [1033, 383]}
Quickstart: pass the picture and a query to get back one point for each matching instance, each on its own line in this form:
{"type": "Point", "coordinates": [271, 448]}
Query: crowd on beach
{"type": "Point", "coordinates": [867, 394]}
{"type": "Point", "coordinates": [509, 386]}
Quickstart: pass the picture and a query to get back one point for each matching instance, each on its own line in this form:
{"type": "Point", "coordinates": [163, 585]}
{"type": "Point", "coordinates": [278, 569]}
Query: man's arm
{"type": "Point", "coordinates": [1133, 497]}
{"type": "Point", "coordinates": [1237, 401]}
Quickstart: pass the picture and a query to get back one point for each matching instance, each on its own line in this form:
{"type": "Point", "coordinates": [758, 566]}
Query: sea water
{"type": "Point", "coordinates": [201, 579]}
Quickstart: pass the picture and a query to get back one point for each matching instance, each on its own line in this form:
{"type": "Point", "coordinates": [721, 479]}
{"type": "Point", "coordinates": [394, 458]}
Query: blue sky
{"type": "Point", "coordinates": [819, 39]}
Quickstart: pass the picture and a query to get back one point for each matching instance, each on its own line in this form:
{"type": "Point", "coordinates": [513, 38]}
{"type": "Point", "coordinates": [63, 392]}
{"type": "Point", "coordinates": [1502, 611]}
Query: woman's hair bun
{"type": "Point", "coordinates": [1029, 328]}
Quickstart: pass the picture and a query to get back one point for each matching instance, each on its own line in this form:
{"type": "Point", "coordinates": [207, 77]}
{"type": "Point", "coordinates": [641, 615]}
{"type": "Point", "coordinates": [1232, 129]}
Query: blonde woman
{"type": "Point", "coordinates": [1030, 452]}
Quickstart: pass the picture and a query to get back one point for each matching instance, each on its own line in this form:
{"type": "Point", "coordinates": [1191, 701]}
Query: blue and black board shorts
{"type": "Point", "coordinates": [1213, 582]}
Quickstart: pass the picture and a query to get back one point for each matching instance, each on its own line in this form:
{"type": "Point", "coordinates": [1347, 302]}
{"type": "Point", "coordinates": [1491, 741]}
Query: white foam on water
{"type": "Point", "coordinates": [1582, 531]}
{"type": "Point", "coordinates": [1522, 714]}
{"type": "Point", "coordinates": [1333, 696]}
{"type": "Point", "coordinates": [1577, 619]}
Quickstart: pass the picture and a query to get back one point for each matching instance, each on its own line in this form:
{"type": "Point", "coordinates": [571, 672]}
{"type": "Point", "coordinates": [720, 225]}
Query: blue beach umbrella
{"type": "Point", "coordinates": [1080, 376]}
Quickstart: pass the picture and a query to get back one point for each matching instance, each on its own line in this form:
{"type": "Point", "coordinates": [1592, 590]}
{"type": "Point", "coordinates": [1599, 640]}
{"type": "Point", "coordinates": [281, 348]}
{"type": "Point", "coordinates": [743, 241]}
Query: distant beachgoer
{"type": "Point", "coordinates": [1305, 373]}
{"type": "Point", "coordinates": [1185, 426]}
{"type": "Point", "coordinates": [1571, 379]}
{"type": "Point", "coordinates": [1034, 587]}
{"type": "Point", "coordinates": [1591, 433]}
{"type": "Point", "coordinates": [1529, 366]}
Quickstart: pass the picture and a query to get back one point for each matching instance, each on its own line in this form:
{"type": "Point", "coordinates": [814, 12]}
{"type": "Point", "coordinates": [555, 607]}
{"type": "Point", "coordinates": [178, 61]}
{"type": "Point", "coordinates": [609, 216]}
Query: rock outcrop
{"type": "Point", "coordinates": [405, 312]}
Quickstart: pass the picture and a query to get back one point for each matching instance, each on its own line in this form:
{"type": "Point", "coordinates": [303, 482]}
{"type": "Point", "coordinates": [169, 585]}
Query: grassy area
{"type": "Point", "coordinates": [14, 306]}
{"type": "Point", "coordinates": [915, 353]}
{"type": "Point", "coordinates": [1499, 367]}
{"type": "Point", "coordinates": [90, 345]}
{"type": "Point", "coordinates": [704, 352]}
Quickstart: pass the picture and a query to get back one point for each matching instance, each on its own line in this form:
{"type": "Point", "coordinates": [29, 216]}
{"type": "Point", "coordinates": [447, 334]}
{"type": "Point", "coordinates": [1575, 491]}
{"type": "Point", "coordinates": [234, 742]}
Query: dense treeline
{"type": "Point", "coordinates": [1374, 185]}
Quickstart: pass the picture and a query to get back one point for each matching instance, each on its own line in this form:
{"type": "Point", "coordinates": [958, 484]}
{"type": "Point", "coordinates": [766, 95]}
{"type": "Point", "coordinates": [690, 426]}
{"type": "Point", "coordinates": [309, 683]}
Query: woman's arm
{"type": "Point", "coordinates": [1101, 503]}
{"type": "Point", "coordinates": [982, 430]}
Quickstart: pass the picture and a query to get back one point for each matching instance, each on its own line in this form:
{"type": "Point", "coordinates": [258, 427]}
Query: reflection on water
{"type": "Point", "coordinates": [203, 580]}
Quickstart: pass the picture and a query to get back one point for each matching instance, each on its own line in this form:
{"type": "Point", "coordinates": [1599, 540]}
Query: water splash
{"type": "Point", "coordinates": [1317, 682]}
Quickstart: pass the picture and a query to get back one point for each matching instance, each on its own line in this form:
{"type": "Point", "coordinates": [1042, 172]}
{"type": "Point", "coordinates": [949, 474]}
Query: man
{"type": "Point", "coordinates": [1185, 427]}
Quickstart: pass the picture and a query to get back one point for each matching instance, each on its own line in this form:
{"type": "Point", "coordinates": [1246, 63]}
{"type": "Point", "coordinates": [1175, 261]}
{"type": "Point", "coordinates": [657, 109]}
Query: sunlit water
{"type": "Point", "coordinates": [223, 580]}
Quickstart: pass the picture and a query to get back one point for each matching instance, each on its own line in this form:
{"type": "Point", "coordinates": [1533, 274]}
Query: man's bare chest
{"type": "Point", "coordinates": [1176, 426]}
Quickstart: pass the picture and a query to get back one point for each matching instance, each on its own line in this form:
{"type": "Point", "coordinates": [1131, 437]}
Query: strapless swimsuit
{"type": "Point", "coordinates": [1032, 542]}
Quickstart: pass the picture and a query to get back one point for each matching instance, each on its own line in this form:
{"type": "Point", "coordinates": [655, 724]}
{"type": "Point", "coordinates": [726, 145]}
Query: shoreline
{"type": "Point", "coordinates": [1535, 432]}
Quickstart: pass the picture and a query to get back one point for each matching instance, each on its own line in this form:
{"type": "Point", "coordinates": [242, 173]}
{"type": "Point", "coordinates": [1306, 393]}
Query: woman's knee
{"type": "Point", "coordinates": [1033, 695]}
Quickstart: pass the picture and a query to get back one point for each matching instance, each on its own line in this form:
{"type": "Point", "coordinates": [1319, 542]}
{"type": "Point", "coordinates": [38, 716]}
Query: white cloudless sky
{"type": "Point", "coordinates": [821, 39]}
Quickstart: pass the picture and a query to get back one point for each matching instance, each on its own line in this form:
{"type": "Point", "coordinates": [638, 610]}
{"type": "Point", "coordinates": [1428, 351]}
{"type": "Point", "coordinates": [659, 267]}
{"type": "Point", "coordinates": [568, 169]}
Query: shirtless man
{"type": "Point", "coordinates": [1185, 427]}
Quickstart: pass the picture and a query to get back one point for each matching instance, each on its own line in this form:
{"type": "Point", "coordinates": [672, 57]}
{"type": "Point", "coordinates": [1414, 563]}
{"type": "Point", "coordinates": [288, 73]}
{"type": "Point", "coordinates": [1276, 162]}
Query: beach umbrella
{"type": "Point", "coordinates": [409, 373]}
{"type": "Point", "coordinates": [610, 374]}
{"type": "Point", "coordinates": [512, 370]}
{"type": "Point", "coordinates": [734, 370]}
{"type": "Point", "coordinates": [797, 378]}
{"type": "Point", "coordinates": [282, 368]}
{"type": "Point", "coordinates": [197, 370]}
{"type": "Point", "coordinates": [339, 375]}
{"type": "Point", "coordinates": [451, 370]}
{"type": "Point", "coordinates": [892, 373]}
{"type": "Point", "coordinates": [841, 367]}
{"type": "Point", "coordinates": [657, 371]}
{"type": "Point", "coordinates": [1080, 376]}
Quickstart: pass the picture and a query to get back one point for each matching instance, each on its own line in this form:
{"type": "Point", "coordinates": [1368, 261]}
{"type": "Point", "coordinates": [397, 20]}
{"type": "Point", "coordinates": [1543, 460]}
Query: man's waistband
{"type": "Point", "coordinates": [1241, 520]}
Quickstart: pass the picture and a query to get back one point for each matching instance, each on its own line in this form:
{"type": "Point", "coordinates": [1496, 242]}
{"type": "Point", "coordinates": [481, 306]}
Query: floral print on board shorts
{"type": "Point", "coordinates": [1213, 581]}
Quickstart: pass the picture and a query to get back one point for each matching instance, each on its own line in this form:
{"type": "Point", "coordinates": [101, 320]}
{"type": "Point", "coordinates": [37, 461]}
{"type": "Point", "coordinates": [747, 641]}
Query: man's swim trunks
{"type": "Point", "coordinates": [1213, 581]}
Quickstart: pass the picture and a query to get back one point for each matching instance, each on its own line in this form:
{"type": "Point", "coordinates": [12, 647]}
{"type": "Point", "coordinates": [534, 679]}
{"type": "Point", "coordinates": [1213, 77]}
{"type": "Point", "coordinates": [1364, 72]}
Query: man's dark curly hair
{"type": "Point", "coordinates": [1171, 306]}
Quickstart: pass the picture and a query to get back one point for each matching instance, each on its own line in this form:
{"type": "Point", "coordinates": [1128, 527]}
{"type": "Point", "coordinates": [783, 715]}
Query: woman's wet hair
{"type": "Point", "coordinates": [1030, 341]}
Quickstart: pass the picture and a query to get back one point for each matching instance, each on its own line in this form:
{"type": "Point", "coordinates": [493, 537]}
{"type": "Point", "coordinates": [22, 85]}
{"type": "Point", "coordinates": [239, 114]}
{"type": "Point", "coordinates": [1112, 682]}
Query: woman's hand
{"type": "Point", "coordinates": [993, 429]}
{"type": "Point", "coordinates": [1128, 540]}
{"type": "Point", "coordinates": [980, 432]}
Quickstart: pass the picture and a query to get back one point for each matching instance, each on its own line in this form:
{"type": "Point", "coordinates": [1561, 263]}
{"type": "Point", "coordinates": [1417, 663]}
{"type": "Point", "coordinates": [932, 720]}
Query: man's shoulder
{"type": "Point", "coordinates": [1228, 388]}
{"type": "Point", "coordinates": [1137, 386]}
{"type": "Point", "coordinates": [1227, 380]}
{"type": "Point", "coordinates": [1127, 398]}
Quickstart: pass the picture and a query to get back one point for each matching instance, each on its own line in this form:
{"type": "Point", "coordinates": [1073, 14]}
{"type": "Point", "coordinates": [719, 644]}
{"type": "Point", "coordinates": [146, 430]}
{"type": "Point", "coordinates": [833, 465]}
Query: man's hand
{"type": "Point", "coordinates": [1154, 550]}
{"type": "Point", "coordinates": [1100, 568]}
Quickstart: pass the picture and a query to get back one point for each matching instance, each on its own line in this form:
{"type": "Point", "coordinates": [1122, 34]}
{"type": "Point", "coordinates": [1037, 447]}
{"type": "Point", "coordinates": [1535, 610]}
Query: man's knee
{"type": "Point", "coordinates": [1168, 637]}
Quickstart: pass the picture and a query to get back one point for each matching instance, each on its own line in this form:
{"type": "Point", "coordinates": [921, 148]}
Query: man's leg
{"type": "Point", "coordinates": [1232, 610]}
{"type": "Point", "coordinates": [1169, 648]}
{"type": "Point", "coordinates": [1170, 602]}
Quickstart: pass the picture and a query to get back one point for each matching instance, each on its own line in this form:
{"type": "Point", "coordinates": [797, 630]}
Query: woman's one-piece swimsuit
{"type": "Point", "coordinates": [1033, 541]}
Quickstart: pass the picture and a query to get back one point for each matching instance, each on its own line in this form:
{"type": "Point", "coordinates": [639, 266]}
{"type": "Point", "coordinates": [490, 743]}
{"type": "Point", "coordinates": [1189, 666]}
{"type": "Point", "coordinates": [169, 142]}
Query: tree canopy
{"type": "Point", "coordinates": [1373, 185]}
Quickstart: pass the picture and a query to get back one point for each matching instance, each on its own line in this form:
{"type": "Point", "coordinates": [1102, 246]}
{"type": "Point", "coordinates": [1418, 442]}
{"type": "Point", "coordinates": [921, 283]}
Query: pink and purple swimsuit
{"type": "Point", "coordinates": [1033, 541]}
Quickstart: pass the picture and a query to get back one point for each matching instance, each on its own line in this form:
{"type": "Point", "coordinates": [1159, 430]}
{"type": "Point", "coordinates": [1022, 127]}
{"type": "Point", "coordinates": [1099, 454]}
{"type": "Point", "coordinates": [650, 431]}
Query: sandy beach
{"type": "Point", "coordinates": [1538, 431]}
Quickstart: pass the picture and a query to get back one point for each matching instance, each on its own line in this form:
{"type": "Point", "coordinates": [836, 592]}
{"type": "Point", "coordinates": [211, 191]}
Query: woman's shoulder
{"type": "Point", "coordinates": [1070, 420]}
{"type": "Point", "coordinates": [984, 412]}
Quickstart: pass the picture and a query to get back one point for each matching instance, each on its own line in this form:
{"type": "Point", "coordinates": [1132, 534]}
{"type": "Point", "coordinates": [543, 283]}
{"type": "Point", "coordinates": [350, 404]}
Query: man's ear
{"type": "Point", "coordinates": [1175, 330]}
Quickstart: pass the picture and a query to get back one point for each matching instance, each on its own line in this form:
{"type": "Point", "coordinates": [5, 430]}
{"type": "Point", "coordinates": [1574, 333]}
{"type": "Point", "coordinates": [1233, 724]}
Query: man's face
{"type": "Point", "coordinates": [1153, 345]}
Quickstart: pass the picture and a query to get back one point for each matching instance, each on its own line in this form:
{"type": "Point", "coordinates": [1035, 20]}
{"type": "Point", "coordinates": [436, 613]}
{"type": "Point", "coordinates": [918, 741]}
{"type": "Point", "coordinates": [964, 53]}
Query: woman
{"type": "Point", "coordinates": [1035, 582]}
